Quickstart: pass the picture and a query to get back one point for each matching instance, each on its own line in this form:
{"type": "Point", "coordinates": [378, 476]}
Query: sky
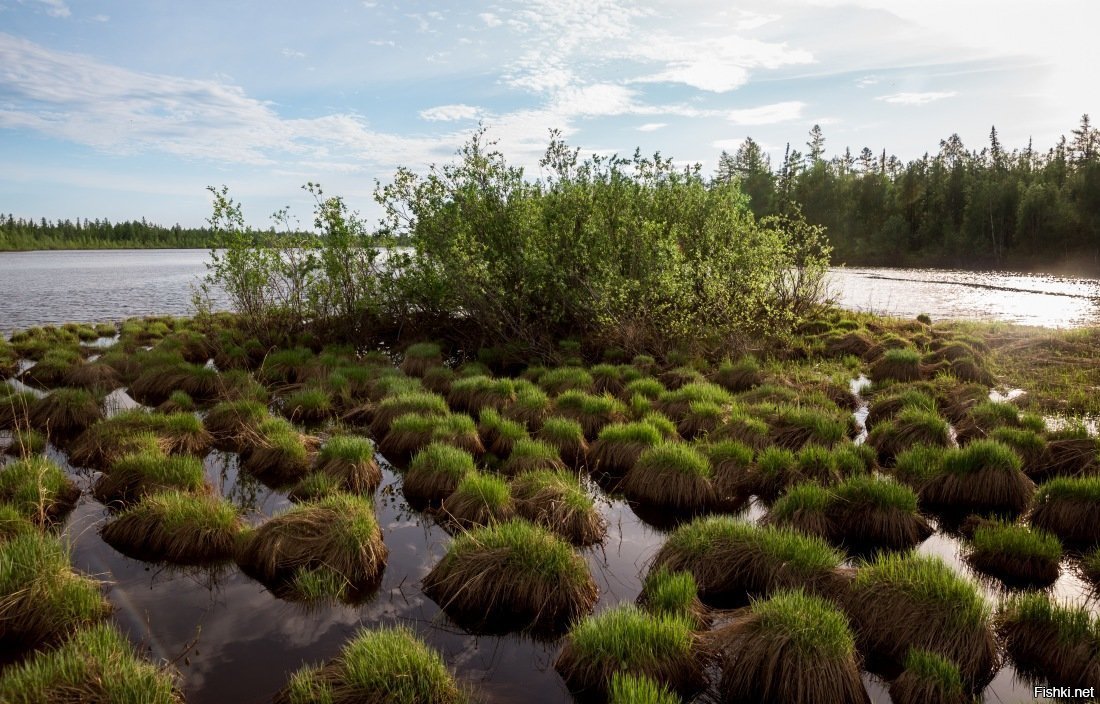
{"type": "Point", "coordinates": [124, 110]}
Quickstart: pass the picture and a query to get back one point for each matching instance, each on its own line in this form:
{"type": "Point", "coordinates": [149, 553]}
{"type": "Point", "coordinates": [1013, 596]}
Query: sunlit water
{"type": "Point", "coordinates": [1028, 299]}
{"type": "Point", "coordinates": [95, 286]}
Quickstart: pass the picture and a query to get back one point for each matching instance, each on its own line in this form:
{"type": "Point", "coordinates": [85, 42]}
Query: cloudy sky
{"type": "Point", "coordinates": [129, 109]}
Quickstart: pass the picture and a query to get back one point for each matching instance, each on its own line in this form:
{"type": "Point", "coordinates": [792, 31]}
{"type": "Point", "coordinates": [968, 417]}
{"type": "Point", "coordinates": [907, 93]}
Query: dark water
{"type": "Point", "coordinates": [233, 641]}
{"type": "Point", "coordinates": [96, 286]}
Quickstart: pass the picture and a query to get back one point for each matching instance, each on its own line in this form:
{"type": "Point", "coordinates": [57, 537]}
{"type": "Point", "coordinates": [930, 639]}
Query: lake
{"type": "Point", "coordinates": [95, 286]}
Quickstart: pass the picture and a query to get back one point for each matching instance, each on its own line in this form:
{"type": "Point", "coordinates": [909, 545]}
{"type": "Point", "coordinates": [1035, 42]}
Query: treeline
{"type": "Point", "coordinates": [18, 234]}
{"type": "Point", "coordinates": [961, 207]}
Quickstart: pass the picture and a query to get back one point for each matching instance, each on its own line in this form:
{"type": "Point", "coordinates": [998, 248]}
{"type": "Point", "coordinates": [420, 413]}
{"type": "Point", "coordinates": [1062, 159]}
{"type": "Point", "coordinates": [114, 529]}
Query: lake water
{"type": "Point", "coordinates": [93, 286]}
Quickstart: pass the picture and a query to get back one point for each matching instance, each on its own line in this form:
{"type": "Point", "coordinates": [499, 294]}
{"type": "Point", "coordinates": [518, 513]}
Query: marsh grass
{"type": "Point", "coordinates": [390, 408]}
{"type": "Point", "coordinates": [383, 666]}
{"type": "Point", "coordinates": [420, 357]}
{"type": "Point", "coordinates": [41, 597]}
{"type": "Point", "coordinates": [531, 455]}
{"type": "Point", "coordinates": [898, 365]}
{"type": "Point", "coordinates": [97, 664]}
{"type": "Point", "coordinates": [96, 377]}
{"type": "Point", "coordinates": [911, 426]}
{"type": "Point", "coordinates": [675, 593]}
{"type": "Point", "coordinates": [794, 427]}
{"type": "Point", "coordinates": [435, 472]}
{"type": "Point", "coordinates": [633, 689]}
{"type": "Point", "coordinates": [903, 601]}
{"type": "Point", "coordinates": [806, 507]}
{"type": "Point", "coordinates": [438, 379]}
{"type": "Point", "coordinates": [178, 402]}
{"type": "Point", "coordinates": [1050, 641]}
{"type": "Point", "coordinates": [792, 648]}
{"type": "Point", "coordinates": [738, 376]}
{"type": "Point", "coordinates": [872, 513]}
{"type": "Point", "coordinates": [982, 477]}
{"type": "Point", "coordinates": [310, 405]}
{"type": "Point", "coordinates": [1068, 456]}
{"type": "Point", "coordinates": [233, 423]}
{"type": "Point", "coordinates": [499, 434]}
{"type": "Point", "coordinates": [592, 412]}
{"type": "Point", "coordinates": [338, 532]}
{"type": "Point", "coordinates": [512, 576]}
{"type": "Point", "coordinates": [176, 528]}
{"type": "Point", "coordinates": [889, 405]}
{"type": "Point", "coordinates": [672, 475]}
{"type": "Point", "coordinates": [1015, 554]}
{"type": "Point", "coordinates": [65, 412]}
{"type": "Point", "coordinates": [478, 500]}
{"type": "Point", "coordinates": [39, 489]}
{"type": "Point", "coordinates": [928, 677]}
{"type": "Point", "coordinates": [556, 501]}
{"type": "Point", "coordinates": [661, 647]}
{"type": "Point", "coordinates": [133, 477]}
{"type": "Point", "coordinates": [557, 381]}
{"type": "Point", "coordinates": [1068, 508]}
{"type": "Point", "coordinates": [619, 445]}
{"type": "Point", "coordinates": [15, 407]}
{"type": "Point", "coordinates": [731, 559]}
{"type": "Point", "coordinates": [348, 460]}
{"type": "Point", "coordinates": [25, 443]}
{"type": "Point", "coordinates": [567, 437]}
{"type": "Point", "coordinates": [279, 455]}
{"type": "Point", "coordinates": [531, 407]}
{"type": "Point", "coordinates": [50, 371]}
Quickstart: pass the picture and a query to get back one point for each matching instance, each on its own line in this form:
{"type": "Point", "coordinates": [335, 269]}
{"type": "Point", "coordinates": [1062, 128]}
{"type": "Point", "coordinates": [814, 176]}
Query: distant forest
{"type": "Point", "coordinates": [959, 207]}
{"type": "Point", "coordinates": [20, 234]}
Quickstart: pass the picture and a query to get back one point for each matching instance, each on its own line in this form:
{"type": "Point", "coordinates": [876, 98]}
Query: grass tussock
{"type": "Point", "coordinates": [897, 365]}
{"type": "Point", "coordinates": [625, 640]}
{"type": "Point", "coordinates": [176, 528]}
{"type": "Point", "coordinates": [1015, 554]}
{"type": "Point", "coordinates": [929, 677]}
{"type": "Point", "coordinates": [903, 601]}
{"type": "Point", "coordinates": [633, 689]}
{"type": "Point", "coordinates": [435, 472]}
{"type": "Point", "coordinates": [530, 456]}
{"type": "Point", "coordinates": [390, 408]}
{"type": "Point", "coordinates": [383, 666]}
{"type": "Point", "coordinates": [420, 357]}
{"type": "Point", "coordinates": [1050, 641]}
{"type": "Point", "coordinates": [592, 412]}
{"type": "Point", "coordinates": [38, 489]}
{"type": "Point", "coordinates": [338, 532]}
{"type": "Point", "coordinates": [135, 476]}
{"type": "Point", "coordinates": [794, 427]}
{"type": "Point", "coordinates": [512, 576]}
{"type": "Point", "coordinates": [1068, 509]}
{"type": "Point", "coordinates": [479, 499]}
{"type": "Point", "coordinates": [731, 559]}
{"type": "Point", "coordinates": [349, 461]}
{"type": "Point", "coordinates": [309, 406]}
{"type": "Point", "coordinates": [65, 412]}
{"type": "Point", "coordinates": [499, 434]}
{"type": "Point", "coordinates": [619, 445]}
{"type": "Point", "coordinates": [738, 376]}
{"type": "Point", "coordinates": [233, 423]}
{"type": "Point", "coordinates": [675, 593]}
{"type": "Point", "coordinates": [1068, 457]}
{"type": "Point", "coordinates": [97, 665]}
{"type": "Point", "coordinates": [556, 501]}
{"type": "Point", "coordinates": [731, 471]}
{"type": "Point", "coordinates": [877, 513]}
{"type": "Point", "coordinates": [26, 442]}
{"type": "Point", "coordinates": [792, 648]}
{"type": "Point", "coordinates": [674, 476]}
{"type": "Point", "coordinates": [41, 598]}
{"type": "Point", "coordinates": [911, 426]}
{"type": "Point", "coordinates": [97, 377]}
{"type": "Point", "coordinates": [15, 407]}
{"type": "Point", "coordinates": [567, 437]}
{"type": "Point", "coordinates": [279, 455]}
{"type": "Point", "coordinates": [983, 477]}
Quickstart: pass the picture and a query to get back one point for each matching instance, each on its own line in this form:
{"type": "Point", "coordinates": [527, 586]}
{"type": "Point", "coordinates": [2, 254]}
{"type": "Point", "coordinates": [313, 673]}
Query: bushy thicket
{"type": "Point", "coordinates": [626, 252]}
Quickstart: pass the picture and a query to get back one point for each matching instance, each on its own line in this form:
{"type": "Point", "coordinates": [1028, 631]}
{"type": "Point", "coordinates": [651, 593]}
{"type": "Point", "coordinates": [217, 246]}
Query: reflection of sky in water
{"type": "Point", "coordinates": [1043, 300]}
{"type": "Point", "coordinates": [233, 641]}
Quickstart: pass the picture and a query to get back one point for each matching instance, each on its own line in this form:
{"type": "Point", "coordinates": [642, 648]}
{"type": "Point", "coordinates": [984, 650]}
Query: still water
{"type": "Point", "coordinates": [96, 286]}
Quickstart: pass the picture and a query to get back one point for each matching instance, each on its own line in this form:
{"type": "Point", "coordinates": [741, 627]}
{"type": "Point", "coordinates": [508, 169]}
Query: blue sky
{"type": "Point", "coordinates": [129, 109]}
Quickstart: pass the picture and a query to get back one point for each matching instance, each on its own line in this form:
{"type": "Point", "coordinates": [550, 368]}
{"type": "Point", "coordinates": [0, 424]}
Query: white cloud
{"type": "Point", "coordinates": [867, 81]}
{"type": "Point", "coordinates": [490, 19]}
{"type": "Point", "coordinates": [596, 99]}
{"type": "Point", "coordinates": [727, 145]}
{"type": "Point", "coordinates": [767, 114]}
{"type": "Point", "coordinates": [447, 113]}
{"type": "Point", "coordinates": [381, 42]}
{"type": "Point", "coordinates": [915, 98]}
{"type": "Point", "coordinates": [652, 126]}
{"type": "Point", "coordinates": [293, 54]}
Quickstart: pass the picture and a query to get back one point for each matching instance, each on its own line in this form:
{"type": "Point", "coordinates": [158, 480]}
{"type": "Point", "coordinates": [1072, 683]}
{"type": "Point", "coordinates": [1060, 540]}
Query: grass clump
{"type": "Point", "coordinates": [26, 442]}
{"type": "Point", "coordinates": [731, 559]}
{"type": "Point", "coordinates": [435, 472]}
{"type": "Point", "coordinates": [672, 475]}
{"type": "Point", "coordinates": [557, 381]}
{"type": "Point", "coordinates": [1051, 642]}
{"type": "Point", "coordinates": [592, 412]}
{"type": "Point", "coordinates": [95, 666]}
{"type": "Point", "coordinates": [928, 677]}
{"type": "Point", "coordinates": [903, 601]}
{"type": "Point", "coordinates": [478, 500]}
{"type": "Point", "coordinates": [178, 402]}
{"type": "Point", "coordinates": [917, 465]}
{"type": "Point", "coordinates": [731, 470]}
{"type": "Point", "coordinates": [619, 445]}
{"type": "Point", "coordinates": [738, 376]}
{"type": "Point", "coordinates": [1015, 554]}
{"type": "Point", "coordinates": [280, 455]}
{"type": "Point", "coordinates": [65, 412]}
{"type": "Point", "coordinates": [499, 434]}
{"type": "Point", "coordinates": [231, 423]}
{"type": "Point", "coordinates": [41, 598]}
{"type": "Point", "coordinates": [806, 507]}
{"type": "Point", "coordinates": [794, 427]}
{"type": "Point", "coordinates": [97, 377]}
{"type": "Point", "coordinates": [512, 576]}
{"type": "Point", "coordinates": [567, 437]}
{"type": "Point", "coordinates": [531, 407]}
{"type": "Point", "coordinates": [384, 666]}
{"type": "Point", "coordinates": [135, 476]}
{"type": "Point", "coordinates": [15, 407]}
{"type": "Point", "coordinates": [349, 461]}
{"type": "Point", "coordinates": [556, 501]}
{"type": "Point", "coordinates": [983, 477]}
{"type": "Point", "coordinates": [897, 365]}
{"type": "Point", "coordinates": [51, 369]}
{"type": "Point", "coordinates": [421, 357]}
{"type": "Point", "coordinates": [890, 404]}
{"type": "Point", "coordinates": [38, 489]}
{"type": "Point", "coordinates": [176, 528]}
{"type": "Point", "coordinates": [632, 689]}
{"type": "Point", "coordinates": [872, 513]}
{"type": "Point", "coordinates": [1068, 508]}
{"type": "Point", "coordinates": [911, 426]}
{"type": "Point", "coordinates": [392, 407]}
{"type": "Point", "coordinates": [675, 593]}
{"type": "Point", "coordinates": [310, 405]}
{"type": "Point", "coordinates": [338, 532]}
{"type": "Point", "coordinates": [792, 648]}
{"type": "Point", "coordinates": [531, 455]}
{"type": "Point", "coordinates": [626, 640]}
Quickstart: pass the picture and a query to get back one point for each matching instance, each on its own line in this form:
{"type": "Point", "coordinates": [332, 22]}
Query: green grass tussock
{"type": "Point", "coordinates": [928, 677]}
{"type": "Point", "coordinates": [435, 472]}
{"type": "Point", "coordinates": [135, 476]}
{"type": "Point", "coordinates": [38, 489]}
{"type": "Point", "coordinates": [176, 528]}
{"type": "Point", "coordinates": [1052, 642]}
{"type": "Point", "coordinates": [1016, 554]}
{"type": "Point", "coordinates": [1068, 508]}
{"type": "Point", "coordinates": [555, 500]}
{"type": "Point", "coordinates": [478, 500]}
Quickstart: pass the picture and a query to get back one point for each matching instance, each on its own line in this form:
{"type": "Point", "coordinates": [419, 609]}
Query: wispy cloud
{"type": "Point", "coordinates": [54, 8]}
{"type": "Point", "coordinates": [490, 19]}
{"type": "Point", "coordinates": [448, 113]}
{"type": "Point", "coordinates": [767, 114]}
{"type": "Point", "coordinates": [293, 54]}
{"type": "Point", "coordinates": [652, 126]}
{"type": "Point", "coordinates": [916, 98]}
